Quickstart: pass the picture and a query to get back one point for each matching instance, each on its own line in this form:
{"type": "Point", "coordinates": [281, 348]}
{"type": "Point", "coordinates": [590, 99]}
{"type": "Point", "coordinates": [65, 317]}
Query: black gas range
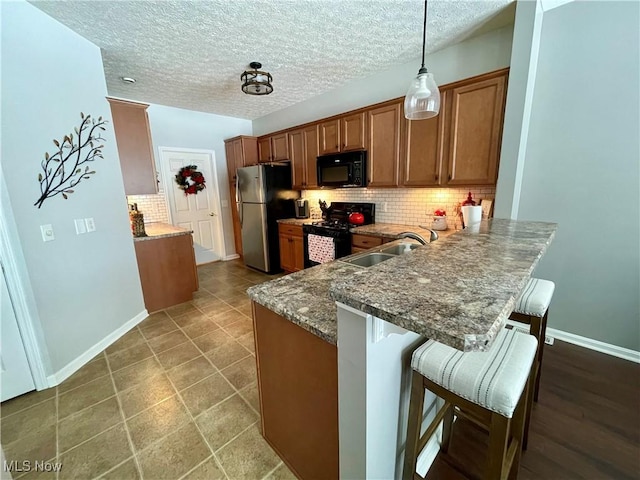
{"type": "Point", "coordinates": [334, 230]}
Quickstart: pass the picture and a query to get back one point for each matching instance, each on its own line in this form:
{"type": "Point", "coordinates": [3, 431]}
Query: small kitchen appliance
{"type": "Point", "coordinates": [348, 169]}
{"type": "Point", "coordinates": [302, 208]}
{"type": "Point", "coordinates": [330, 238]}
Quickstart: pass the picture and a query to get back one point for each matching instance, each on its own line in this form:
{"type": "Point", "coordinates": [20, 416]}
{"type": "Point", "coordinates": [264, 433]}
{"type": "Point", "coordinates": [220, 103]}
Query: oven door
{"type": "Point", "coordinates": [341, 245]}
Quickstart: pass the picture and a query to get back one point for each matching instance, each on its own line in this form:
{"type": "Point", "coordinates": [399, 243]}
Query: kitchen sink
{"type": "Point", "coordinates": [369, 259]}
{"type": "Point", "coordinates": [399, 249]}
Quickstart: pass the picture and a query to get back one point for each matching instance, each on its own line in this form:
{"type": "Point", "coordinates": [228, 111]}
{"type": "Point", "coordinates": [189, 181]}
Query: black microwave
{"type": "Point", "coordinates": [348, 169]}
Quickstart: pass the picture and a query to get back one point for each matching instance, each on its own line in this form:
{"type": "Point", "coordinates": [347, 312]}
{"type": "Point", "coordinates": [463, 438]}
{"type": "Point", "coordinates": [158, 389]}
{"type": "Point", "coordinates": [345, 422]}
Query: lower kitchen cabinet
{"type": "Point", "coordinates": [298, 389]}
{"type": "Point", "coordinates": [291, 247]}
{"type": "Point", "coordinates": [167, 267]}
{"type": "Point", "coordinates": [362, 243]}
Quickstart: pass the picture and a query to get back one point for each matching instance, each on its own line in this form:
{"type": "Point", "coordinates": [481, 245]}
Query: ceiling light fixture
{"type": "Point", "coordinates": [256, 82]}
{"type": "Point", "coordinates": [128, 79]}
{"type": "Point", "coordinates": [423, 97]}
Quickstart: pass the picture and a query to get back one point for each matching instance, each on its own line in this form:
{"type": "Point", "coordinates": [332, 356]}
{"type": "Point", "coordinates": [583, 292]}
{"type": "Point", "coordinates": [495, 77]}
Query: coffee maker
{"type": "Point", "coordinates": [302, 208]}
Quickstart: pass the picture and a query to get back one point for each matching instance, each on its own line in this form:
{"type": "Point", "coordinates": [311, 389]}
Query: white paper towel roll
{"type": "Point", "coordinates": [471, 215]}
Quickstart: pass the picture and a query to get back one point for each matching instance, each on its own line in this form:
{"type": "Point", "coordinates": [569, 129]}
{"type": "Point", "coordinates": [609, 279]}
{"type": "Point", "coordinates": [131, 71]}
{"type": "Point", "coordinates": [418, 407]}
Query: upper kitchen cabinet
{"type": "Point", "coordinates": [343, 134]}
{"type": "Point", "coordinates": [384, 145]}
{"type": "Point", "coordinates": [241, 152]}
{"type": "Point", "coordinates": [274, 148]}
{"type": "Point", "coordinates": [422, 150]}
{"type": "Point", "coordinates": [303, 152]}
{"type": "Point", "coordinates": [474, 130]}
{"type": "Point", "coordinates": [133, 136]}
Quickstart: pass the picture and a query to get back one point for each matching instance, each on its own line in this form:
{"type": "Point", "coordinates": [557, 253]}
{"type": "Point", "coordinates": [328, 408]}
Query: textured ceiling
{"type": "Point", "coordinates": [190, 54]}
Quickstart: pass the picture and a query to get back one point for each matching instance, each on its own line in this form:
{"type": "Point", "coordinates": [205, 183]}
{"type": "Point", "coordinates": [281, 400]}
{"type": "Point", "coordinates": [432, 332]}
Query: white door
{"type": "Point", "coordinates": [15, 374]}
{"type": "Point", "coordinates": [199, 212]}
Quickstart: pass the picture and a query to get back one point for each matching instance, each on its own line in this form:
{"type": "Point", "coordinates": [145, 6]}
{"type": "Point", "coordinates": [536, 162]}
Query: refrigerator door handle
{"type": "Point", "coordinates": [238, 199]}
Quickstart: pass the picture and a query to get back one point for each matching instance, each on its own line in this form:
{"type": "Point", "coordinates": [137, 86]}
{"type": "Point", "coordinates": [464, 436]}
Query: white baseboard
{"type": "Point", "coordinates": [230, 257]}
{"type": "Point", "coordinates": [75, 365]}
{"type": "Point", "coordinates": [591, 344]}
{"type": "Point", "coordinates": [597, 345]}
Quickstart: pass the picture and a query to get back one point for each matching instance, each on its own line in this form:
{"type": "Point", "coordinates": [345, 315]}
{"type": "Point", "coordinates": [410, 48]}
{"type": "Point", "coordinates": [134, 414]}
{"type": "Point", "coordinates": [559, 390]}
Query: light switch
{"type": "Point", "coordinates": [225, 203]}
{"type": "Point", "coordinates": [80, 226]}
{"type": "Point", "coordinates": [47, 233]}
{"type": "Point", "coordinates": [91, 225]}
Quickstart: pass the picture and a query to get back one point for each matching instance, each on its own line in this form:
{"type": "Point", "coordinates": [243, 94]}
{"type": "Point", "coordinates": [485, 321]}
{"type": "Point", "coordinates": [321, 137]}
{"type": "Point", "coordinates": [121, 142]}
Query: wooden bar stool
{"type": "Point", "coordinates": [532, 309]}
{"type": "Point", "coordinates": [491, 389]}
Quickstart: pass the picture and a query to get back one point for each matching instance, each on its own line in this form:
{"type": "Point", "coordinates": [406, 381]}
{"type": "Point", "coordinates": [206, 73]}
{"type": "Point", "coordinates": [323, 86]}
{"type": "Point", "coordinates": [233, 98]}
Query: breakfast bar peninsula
{"type": "Point", "coordinates": [334, 342]}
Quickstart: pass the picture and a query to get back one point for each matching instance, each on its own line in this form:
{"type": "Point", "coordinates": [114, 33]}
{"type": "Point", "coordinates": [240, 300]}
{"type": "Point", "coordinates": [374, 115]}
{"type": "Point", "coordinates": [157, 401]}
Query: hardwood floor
{"type": "Point", "coordinates": [585, 425]}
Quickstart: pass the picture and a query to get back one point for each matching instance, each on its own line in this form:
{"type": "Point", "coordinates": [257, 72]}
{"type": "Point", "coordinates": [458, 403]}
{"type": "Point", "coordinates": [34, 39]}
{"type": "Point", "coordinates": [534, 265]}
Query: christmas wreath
{"type": "Point", "coordinates": [190, 180]}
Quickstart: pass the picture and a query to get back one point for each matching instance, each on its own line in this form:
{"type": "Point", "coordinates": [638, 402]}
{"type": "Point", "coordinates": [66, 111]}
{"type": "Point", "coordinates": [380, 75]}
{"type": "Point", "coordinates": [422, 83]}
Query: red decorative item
{"type": "Point", "coordinates": [440, 213]}
{"type": "Point", "coordinates": [469, 201]}
{"type": "Point", "coordinates": [190, 180]}
{"type": "Point", "coordinates": [356, 218]}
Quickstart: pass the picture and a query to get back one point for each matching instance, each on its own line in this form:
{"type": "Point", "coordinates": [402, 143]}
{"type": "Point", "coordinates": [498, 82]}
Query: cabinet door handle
{"type": "Point", "coordinates": [449, 176]}
{"type": "Point", "coordinates": [436, 176]}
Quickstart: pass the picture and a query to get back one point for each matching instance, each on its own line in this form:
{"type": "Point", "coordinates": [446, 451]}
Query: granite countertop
{"type": "Point", "coordinates": [458, 290]}
{"type": "Point", "coordinates": [303, 297]}
{"type": "Point", "coordinates": [157, 230]}
{"type": "Point", "coordinates": [297, 221]}
{"type": "Point", "coordinates": [392, 230]}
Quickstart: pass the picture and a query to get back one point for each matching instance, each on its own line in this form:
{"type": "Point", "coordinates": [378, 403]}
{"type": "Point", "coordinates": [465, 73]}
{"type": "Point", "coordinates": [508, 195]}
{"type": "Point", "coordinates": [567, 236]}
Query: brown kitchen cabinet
{"type": "Point", "coordinates": [274, 148]}
{"type": "Point", "coordinates": [383, 153]}
{"type": "Point", "coordinates": [167, 267]}
{"type": "Point", "coordinates": [473, 134]}
{"type": "Point", "coordinates": [343, 134]}
{"type": "Point", "coordinates": [365, 241]}
{"type": "Point", "coordinates": [303, 152]}
{"type": "Point", "coordinates": [235, 217]}
{"type": "Point", "coordinates": [291, 247]}
{"type": "Point", "coordinates": [241, 152]}
{"type": "Point", "coordinates": [422, 150]}
{"type": "Point", "coordinates": [298, 391]}
{"type": "Point", "coordinates": [133, 137]}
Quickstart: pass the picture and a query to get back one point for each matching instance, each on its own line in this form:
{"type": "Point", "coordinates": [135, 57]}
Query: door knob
{"type": "Point", "coordinates": [211, 214]}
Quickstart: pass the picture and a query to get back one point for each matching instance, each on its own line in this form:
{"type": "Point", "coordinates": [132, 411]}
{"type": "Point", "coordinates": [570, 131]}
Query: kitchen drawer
{"type": "Point", "coordinates": [357, 249]}
{"type": "Point", "coordinates": [365, 241]}
{"type": "Point", "coordinates": [285, 229]}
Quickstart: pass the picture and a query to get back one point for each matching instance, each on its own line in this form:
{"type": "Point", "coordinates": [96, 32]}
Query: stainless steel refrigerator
{"type": "Point", "coordinates": [264, 195]}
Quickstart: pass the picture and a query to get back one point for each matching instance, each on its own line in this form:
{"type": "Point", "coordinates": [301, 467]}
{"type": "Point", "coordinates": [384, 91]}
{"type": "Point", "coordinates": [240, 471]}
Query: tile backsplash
{"type": "Point", "coordinates": [406, 206]}
{"type": "Point", "coordinates": [153, 207]}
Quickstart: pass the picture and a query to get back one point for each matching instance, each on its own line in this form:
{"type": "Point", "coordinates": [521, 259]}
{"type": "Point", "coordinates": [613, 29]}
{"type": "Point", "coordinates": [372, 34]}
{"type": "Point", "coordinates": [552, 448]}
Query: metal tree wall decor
{"type": "Point", "coordinates": [63, 170]}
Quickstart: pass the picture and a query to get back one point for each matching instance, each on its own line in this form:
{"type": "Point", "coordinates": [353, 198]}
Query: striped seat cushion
{"type": "Point", "coordinates": [494, 379]}
{"type": "Point", "coordinates": [535, 297]}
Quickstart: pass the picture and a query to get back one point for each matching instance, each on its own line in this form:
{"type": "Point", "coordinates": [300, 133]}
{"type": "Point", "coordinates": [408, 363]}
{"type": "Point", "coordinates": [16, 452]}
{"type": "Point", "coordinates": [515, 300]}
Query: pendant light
{"type": "Point", "coordinates": [256, 82]}
{"type": "Point", "coordinates": [423, 97]}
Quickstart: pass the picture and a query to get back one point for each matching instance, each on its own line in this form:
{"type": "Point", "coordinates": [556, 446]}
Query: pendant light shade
{"type": "Point", "coordinates": [423, 97]}
{"type": "Point", "coordinates": [256, 82]}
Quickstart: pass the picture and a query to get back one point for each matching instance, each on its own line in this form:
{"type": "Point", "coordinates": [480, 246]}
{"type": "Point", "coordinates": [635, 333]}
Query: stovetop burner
{"type": "Point", "coordinates": [336, 223]}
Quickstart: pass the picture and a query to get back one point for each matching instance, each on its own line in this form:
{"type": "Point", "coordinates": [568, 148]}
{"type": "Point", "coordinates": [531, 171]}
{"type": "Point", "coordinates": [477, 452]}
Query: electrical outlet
{"type": "Point", "coordinates": [91, 225]}
{"type": "Point", "coordinates": [47, 233]}
{"type": "Point", "coordinates": [80, 226]}
{"type": "Point", "coordinates": [384, 207]}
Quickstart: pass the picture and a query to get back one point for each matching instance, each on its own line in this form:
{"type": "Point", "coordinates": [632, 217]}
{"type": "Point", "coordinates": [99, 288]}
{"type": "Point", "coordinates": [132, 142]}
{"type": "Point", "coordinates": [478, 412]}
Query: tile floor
{"type": "Point", "coordinates": [174, 398]}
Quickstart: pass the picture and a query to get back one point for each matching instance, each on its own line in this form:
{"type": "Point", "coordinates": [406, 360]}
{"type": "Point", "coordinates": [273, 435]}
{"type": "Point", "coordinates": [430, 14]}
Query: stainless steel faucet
{"type": "Point", "coordinates": [419, 238]}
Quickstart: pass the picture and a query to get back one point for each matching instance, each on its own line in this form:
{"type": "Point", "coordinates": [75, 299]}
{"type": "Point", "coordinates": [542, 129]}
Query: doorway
{"type": "Point", "coordinates": [15, 374]}
{"type": "Point", "coordinates": [199, 212]}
